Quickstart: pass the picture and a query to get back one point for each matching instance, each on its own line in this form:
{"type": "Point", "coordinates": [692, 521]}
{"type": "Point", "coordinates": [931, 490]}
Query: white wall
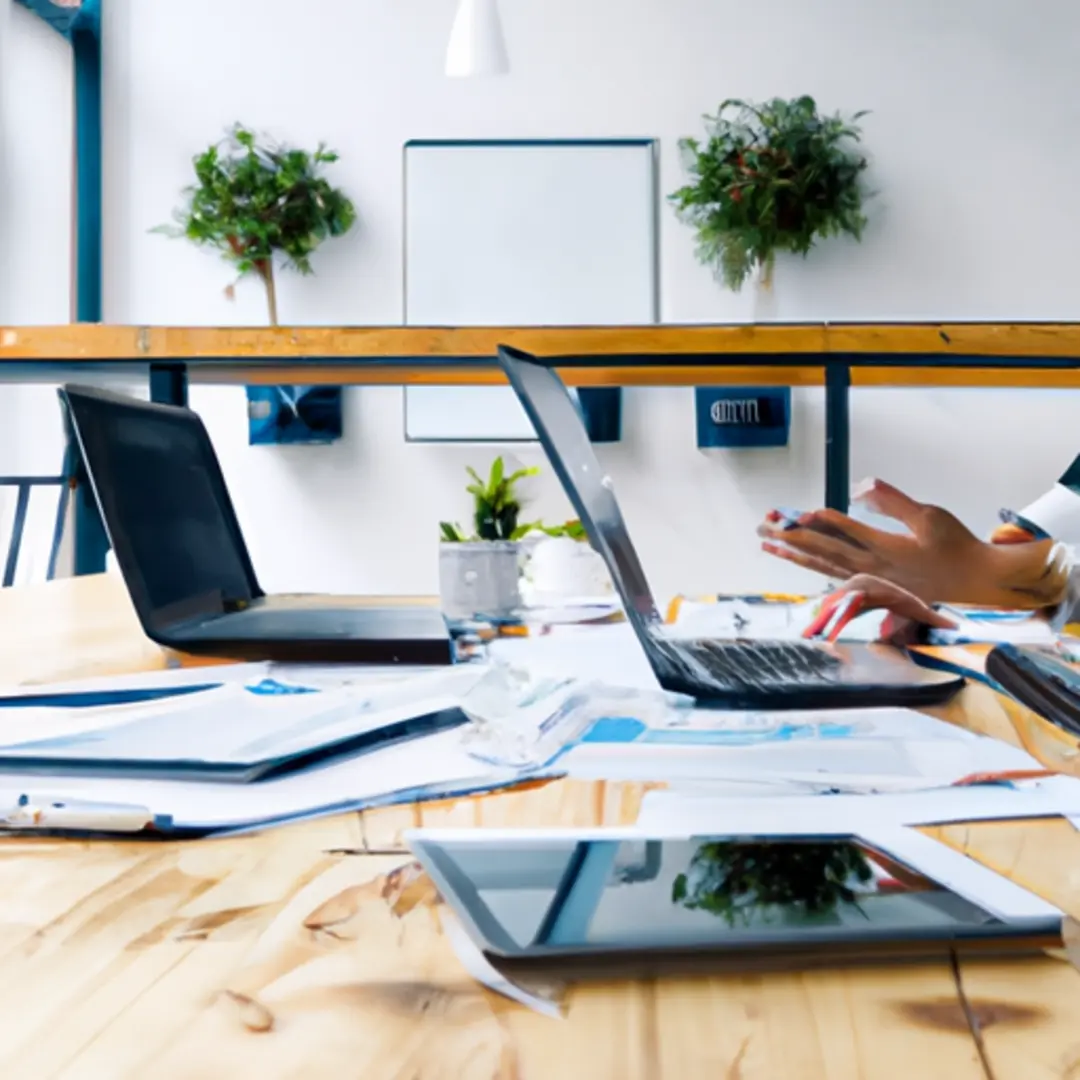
{"type": "Point", "coordinates": [973, 104]}
{"type": "Point", "coordinates": [35, 221]}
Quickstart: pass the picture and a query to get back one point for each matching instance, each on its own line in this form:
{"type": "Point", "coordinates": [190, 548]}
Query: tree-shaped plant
{"type": "Point", "coordinates": [772, 177]}
{"type": "Point", "coordinates": [258, 203]}
{"type": "Point", "coordinates": [733, 880]}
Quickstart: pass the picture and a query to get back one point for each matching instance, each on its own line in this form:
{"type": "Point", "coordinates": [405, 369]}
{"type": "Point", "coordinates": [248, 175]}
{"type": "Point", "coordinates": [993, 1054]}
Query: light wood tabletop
{"type": "Point", "coordinates": [313, 951]}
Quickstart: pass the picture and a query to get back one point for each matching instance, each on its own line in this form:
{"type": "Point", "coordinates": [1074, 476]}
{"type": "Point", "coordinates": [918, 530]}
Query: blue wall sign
{"type": "Point", "coordinates": [743, 417]}
{"type": "Point", "coordinates": [293, 414]}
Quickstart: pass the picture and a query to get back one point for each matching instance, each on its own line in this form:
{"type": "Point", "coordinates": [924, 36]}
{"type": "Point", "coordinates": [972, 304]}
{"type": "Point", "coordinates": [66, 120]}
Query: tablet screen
{"type": "Point", "coordinates": [575, 894]}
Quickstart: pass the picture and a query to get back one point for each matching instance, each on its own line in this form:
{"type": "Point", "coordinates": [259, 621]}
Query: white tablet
{"type": "Point", "coordinates": [619, 897]}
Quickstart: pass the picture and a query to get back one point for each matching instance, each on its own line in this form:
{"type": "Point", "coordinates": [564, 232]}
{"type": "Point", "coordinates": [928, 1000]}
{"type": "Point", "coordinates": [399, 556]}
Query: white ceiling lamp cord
{"type": "Point", "coordinates": [477, 46]}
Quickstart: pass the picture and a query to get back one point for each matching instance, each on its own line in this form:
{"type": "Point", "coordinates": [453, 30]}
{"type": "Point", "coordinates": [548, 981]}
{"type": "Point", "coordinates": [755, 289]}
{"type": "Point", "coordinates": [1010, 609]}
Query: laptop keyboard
{"type": "Point", "coordinates": [749, 664]}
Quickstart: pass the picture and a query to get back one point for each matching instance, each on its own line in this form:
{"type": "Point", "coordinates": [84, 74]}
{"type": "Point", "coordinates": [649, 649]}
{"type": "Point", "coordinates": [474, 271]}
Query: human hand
{"type": "Point", "coordinates": [863, 593]}
{"type": "Point", "coordinates": [938, 559]}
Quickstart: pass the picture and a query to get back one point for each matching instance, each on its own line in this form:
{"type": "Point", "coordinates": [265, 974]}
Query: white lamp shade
{"type": "Point", "coordinates": [477, 46]}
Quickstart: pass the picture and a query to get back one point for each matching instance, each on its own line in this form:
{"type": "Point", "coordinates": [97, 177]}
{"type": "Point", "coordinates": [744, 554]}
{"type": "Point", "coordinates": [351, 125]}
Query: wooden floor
{"type": "Point", "coordinates": [315, 951]}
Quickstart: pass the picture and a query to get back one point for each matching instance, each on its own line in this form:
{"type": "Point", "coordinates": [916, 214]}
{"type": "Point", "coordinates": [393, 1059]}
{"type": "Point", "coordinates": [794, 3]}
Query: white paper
{"type": "Point", "coordinates": [875, 749]}
{"type": "Point", "coordinates": [609, 654]}
{"type": "Point", "coordinates": [994, 627]}
{"type": "Point", "coordinates": [680, 813]}
{"type": "Point", "coordinates": [478, 966]}
{"type": "Point", "coordinates": [318, 676]}
{"type": "Point", "coordinates": [437, 764]}
{"type": "Point", "coordinates": [774, 621]}
{"type": "Point", "coordinates": [229, 725]}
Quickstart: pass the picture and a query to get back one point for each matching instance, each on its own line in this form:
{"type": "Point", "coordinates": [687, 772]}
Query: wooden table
{"type": "Point", "coordinates": [305, 951]}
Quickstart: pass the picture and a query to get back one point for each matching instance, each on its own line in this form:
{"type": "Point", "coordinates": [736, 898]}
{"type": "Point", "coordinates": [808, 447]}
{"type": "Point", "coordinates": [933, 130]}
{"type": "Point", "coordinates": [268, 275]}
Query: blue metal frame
{"type": "Point", "coordinates": [169, 384]}
{"type": "Point", "coordinates": [24, 485]}
{"type": "Point", "coordinates": [82, 28]}
{"type": "Point", "coordinates": [838, 434]}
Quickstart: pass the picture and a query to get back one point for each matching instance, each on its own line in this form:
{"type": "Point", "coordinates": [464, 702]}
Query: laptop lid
{"type": "Point", "coordinates": [563, 435]}
{"type": "Point", "coordinates": [165, 506]}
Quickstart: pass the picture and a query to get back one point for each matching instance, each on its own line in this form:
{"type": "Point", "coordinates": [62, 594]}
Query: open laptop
{"type": "Point", "coordinates": [751, 674]}
{"type": "Point", "coordinates": [170, 521]}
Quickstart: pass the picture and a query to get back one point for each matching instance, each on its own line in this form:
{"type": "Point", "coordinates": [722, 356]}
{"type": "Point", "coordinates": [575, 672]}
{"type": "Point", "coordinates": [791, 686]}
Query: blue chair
{"type": "Point", "coordinates": [25, 488]}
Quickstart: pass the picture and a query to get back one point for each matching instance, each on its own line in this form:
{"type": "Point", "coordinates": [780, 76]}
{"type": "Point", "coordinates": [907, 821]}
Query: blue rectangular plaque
{"type": "Point", "coordinates": [293, 414]}
{"type": "Point", "coordinates": [743, 417]}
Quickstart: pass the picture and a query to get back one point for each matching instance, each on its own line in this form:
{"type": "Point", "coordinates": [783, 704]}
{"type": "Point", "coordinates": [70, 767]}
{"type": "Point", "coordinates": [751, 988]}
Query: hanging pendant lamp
{"type": "Point", "coordinates": [477, 46]}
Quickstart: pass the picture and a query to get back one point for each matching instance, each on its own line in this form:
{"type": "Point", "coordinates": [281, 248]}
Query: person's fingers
{"type": "Point", "coordinates": [821, 620]}
{"type": "Point", "coordinates": [881, 593]}
{"type": "Point", "coordinates": [898, 630]}
{"type": "Point", "coordinates": [841, 527]}
{"type": "Point", "coordinates": [884, 499]}
{"type": "Point", "coordinates": [807, 562]}
{"type": "Point", "coordinates": [855, 606]}
{"type": "Point", "coordinates": [913, 608]}
{"type": "Point", "coordinates": [850, 558]}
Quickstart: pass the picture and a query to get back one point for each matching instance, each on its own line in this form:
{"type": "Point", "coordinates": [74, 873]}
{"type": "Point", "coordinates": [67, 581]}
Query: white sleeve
{"type": "Point", "coordinates": [1057, 513]}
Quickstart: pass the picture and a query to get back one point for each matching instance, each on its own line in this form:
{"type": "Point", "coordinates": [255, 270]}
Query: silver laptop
{"type": "Point", "coordinates": [739, 674]}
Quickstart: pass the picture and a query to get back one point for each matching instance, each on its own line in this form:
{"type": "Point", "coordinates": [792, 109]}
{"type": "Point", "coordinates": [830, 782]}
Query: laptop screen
{"type": "Point", "coordinates": [164, 504]}
{"type": "Point", "coordinates": [562, 433]}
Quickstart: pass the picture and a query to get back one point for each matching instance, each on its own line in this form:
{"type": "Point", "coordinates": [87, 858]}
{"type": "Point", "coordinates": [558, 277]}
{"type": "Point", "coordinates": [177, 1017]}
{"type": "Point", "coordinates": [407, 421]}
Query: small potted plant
{"type": "Point", "coordinates": [479, 572]}
{"type": "Point", "coordinates": [772, 177]}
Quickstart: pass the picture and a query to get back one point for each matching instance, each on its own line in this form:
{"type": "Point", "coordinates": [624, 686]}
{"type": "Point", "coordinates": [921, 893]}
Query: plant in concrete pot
{"type": "Point", "coordinates": [261, 204]}
{"type": "Point", "coordinates": [772, 177]}
{"type": "Point", "coordinates": [478, 573]}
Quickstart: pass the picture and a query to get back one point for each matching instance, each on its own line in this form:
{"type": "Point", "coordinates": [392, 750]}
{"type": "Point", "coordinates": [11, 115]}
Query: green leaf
{"type": "Point", "coordinates": [521, 474]}
{"type": "Point", "coordinates": [496, 474]}
{"type": "Point", "coordinates": [679, 887]}
{"type": "Point", "coordinates": [451, 533]}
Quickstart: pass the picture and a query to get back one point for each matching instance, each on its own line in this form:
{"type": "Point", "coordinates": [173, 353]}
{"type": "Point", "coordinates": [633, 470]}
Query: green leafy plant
{"type": "Point", "coordinates": [256, 203]}
{"type": "Point", "coordinates": [770, 177]}
{"type": "Point", "coordinates": [732, 880]}
{"type": "Point", "coordinates": [572, 530]}
{"type": "Point", "coordinates": [496, 506]}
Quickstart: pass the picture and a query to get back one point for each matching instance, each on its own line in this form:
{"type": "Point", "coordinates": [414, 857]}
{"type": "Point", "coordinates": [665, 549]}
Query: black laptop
{"type": "Point", "coordinates": [178, 543]}
{"type": "Point", "coordinates": [739, 674]}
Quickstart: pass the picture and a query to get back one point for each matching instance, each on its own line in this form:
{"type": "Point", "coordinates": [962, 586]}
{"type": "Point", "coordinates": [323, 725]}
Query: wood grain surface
{"type": "Point", "coordinates": [394, 355]}
{"type": "Point", "coordinates": [316, 951]}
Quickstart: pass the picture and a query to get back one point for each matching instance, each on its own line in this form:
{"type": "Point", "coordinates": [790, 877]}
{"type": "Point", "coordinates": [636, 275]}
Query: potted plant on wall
{"type": "Point", "coordinates": [479, 573]}
{"type": "Point", "coordinates": [769, 178]}
{"type": "Point", "coordinates": [262, 206]}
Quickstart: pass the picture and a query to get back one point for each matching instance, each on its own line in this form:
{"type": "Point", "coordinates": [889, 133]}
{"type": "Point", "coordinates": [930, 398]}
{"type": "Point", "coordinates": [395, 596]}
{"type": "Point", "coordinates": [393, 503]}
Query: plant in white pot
{"type": "Point", "coordinates": [563, 569]}
{"type": "Point", "coordinates": [479, 573]}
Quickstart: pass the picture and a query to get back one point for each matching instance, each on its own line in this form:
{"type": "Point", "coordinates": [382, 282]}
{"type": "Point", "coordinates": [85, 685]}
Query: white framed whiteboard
{"type": "Point", "coordinates": [522, 233]}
